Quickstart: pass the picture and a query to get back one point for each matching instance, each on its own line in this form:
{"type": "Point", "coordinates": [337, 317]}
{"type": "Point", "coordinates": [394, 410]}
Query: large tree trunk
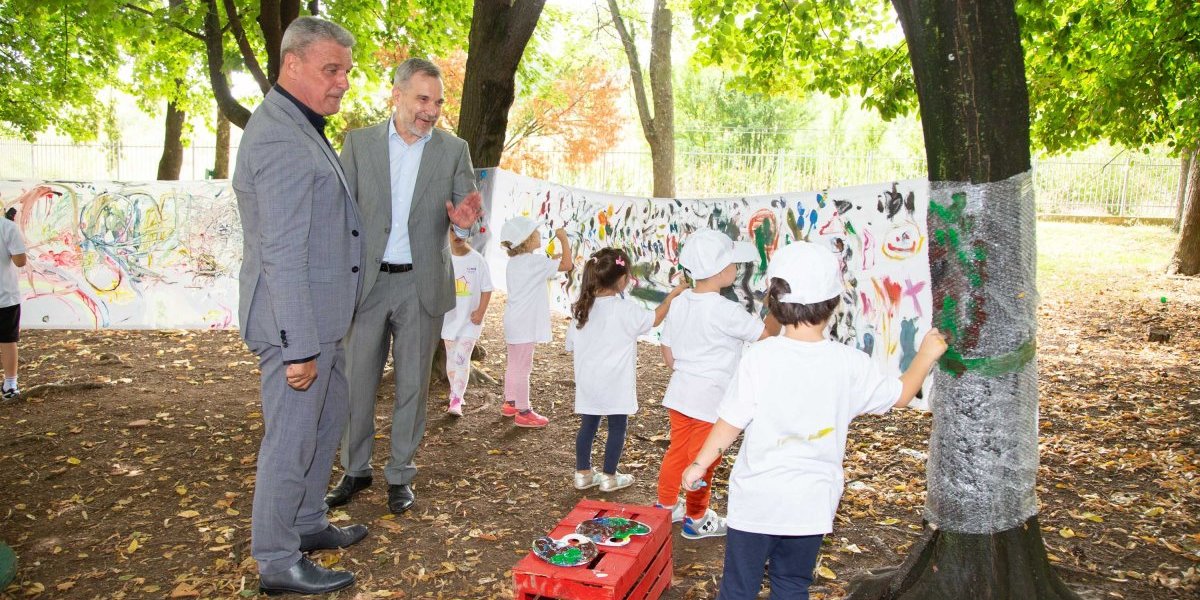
{"type": "Point", "coordinates": [172, 154]}
{"type": "Point", "coordinates": [1187, 253]}
{"type": "Point", "coordinates": [982, 539]}
{"type": "Point", "coordinates": [659, 125]}
{"type": "Point", "coordinates": [221, 160]}
{"type": "Point", "coordinates": [499, 33]}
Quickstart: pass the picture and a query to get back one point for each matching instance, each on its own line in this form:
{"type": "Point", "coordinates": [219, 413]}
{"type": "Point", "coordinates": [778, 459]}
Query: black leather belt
{"type": "Point", "coordinates": [394, 268]}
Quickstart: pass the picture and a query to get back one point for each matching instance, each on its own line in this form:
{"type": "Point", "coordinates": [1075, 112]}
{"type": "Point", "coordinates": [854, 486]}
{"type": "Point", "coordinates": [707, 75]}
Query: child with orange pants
{"type": "Point", "coordinates": [702, 340]}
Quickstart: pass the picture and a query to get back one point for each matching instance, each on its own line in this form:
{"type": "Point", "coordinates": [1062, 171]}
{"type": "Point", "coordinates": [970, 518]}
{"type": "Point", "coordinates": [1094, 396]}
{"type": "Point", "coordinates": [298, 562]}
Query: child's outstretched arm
{"type": "Point", "coordinates": [771, 327]}
{"type": "Point", "coordinates": [667, 356]}
{"type": "Point", "coordinates": [566, 259]}
{"type": "Point", "coordinates": [719, 439]}
{"type": "Point", "coordinates": [660, 312]}
{"type": "Point", "coordinates": [477, 315]}
{"type": "Point", "coordinates": [932, 348]}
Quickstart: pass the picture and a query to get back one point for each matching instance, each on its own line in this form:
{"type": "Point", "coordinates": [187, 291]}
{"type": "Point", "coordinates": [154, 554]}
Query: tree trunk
{"type": "Point", "coordinates": [1186, 159]}
{"type": "Point", "coordinates": [221, 161]}
{"type": "Point", "coordinates": [499, 33]}
{"type": "Point", "coordinates": [172, 155]}
{"type": "Point", "coordinates": [659, 126]}
{"type": "Point", "coordinates": [215, 53]}
{"type": "Point", "coordinates": [982, 538]}
{"type": "Point", "coordinates": [1186, 260]}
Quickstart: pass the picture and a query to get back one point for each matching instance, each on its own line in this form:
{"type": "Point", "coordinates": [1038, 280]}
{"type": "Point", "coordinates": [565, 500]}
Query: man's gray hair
{"type": "Point", "coordinates": [306, 31]}
{"type": "Point", "coordinates": [411, 67]}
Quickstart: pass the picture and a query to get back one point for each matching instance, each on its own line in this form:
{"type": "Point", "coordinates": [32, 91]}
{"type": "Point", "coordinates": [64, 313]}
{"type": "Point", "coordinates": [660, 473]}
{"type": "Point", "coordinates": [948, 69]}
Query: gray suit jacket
{"type": "Point", "coordinates": [302, 251]}
{"type": "Point", "coordinates": [445, 174]}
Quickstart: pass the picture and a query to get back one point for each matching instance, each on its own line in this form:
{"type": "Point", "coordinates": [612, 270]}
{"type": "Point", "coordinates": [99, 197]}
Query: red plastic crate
{"type": "Point", "coordinates": [640, 570]}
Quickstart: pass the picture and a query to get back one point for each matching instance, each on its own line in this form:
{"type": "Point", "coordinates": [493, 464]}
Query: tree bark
{"type": "Point", "coordinates": [221, 160]}
{"type": "Point", "coordinates": [1186, 159]}
{"type": "Point", "coordinates": [215, 53]}
{"type": "Point", "coordinates": [659, 125]}
{"type": "Point", "coordinates": [982, 537]}
{"type": "Point", "coordinates": [172, 156]}
{"type": "Point", "coordinates": [274, 18]}
{"type": "Point", "coordinates": [499, 33]}
{"type": "Point", "coordinates": [1186, 260]}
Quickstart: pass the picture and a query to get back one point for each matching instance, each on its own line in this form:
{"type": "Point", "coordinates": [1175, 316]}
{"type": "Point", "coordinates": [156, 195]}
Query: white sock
{"type": "Point", "coordinates": [10, 383]}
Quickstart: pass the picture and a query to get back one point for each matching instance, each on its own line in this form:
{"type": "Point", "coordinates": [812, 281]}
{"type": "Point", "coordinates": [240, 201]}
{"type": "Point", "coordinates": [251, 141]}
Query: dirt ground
{"type": "Point", "coordinates": [133, 477]}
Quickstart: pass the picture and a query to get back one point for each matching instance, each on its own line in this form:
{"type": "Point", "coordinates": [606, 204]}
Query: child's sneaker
{"type": "Point", "coordinates": [455, 407]}
{"type": "Point", "coordinates": [678, 511]}
{"type": "Point", "coordinates": [11, 393]}
{"type": "Point", "coordinates": [508, 409]}
{"type": "Point", "coordinates": [710, 525]}
{"type": "Point", "coordinates": [614, 482]}
{"type": "Point", "coordinates": [583, 482]}
{"type": "Point", "coordinates": [530, 419]}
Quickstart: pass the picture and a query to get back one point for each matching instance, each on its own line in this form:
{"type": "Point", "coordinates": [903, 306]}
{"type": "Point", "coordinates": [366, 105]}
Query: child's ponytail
{"type": "Point", "coordinates": [602, 271]}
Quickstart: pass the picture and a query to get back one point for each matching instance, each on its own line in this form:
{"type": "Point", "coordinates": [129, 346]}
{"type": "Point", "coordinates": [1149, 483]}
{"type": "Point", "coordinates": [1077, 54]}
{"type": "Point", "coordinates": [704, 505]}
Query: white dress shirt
{"type": "Point", "coordinates": [404, 159]}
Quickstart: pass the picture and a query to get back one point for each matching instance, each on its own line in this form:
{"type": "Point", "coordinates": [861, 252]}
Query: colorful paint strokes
{"type": "Point", "coordinates": [611, 531]}
{"type": "Point", "coordinates": [877, 231]}
{"type": "Point", "coordinates": [127, 255]}
{"type": "Point", "coordinates": [570, 550]}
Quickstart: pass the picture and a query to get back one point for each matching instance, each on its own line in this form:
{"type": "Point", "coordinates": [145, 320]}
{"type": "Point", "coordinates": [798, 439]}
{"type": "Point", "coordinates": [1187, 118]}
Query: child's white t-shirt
{"type": "Point", "coordinates": [471, 279]}
{"type": "Point", "coordinates": [706, 333]}
{"type": "Point", "coordinates": [795, 401]}
{"type": "Point", "coordinates": [606, 356]}
{"type": "Point", "coordinates": [11, 243]}
{"type": "Point", "coordinates": [527, 311]}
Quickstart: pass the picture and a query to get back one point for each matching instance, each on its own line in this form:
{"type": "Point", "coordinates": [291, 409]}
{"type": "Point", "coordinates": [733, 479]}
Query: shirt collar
{"type": "Point", "coordinates": [317, 120]}
{"type": "Point", "coordinates": [392, 133]}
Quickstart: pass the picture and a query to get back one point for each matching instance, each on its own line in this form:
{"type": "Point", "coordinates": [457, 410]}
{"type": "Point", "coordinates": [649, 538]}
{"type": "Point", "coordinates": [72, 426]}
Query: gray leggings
{"type": "Point", "coordinates": [612, 447]}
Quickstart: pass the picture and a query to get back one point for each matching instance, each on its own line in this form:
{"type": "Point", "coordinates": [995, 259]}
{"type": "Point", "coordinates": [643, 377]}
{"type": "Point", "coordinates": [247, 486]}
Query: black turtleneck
{"type": "Point", "coordinates": [317, 120]}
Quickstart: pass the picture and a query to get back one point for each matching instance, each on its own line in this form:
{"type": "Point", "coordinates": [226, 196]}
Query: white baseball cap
{"type": "Point", "coordinates": [707, 252]}
{"type": "Point", "coordinates": [812, 272]}
{"type": "Point", "coordinates": [517, 229]}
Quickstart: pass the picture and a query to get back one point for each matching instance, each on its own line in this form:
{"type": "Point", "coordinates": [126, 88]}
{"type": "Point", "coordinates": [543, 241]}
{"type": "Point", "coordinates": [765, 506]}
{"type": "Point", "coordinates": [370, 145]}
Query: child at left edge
{"type": "Point", "coordinates": [603, 337]}
{"type": "Point", "coordinates": [464, 323]}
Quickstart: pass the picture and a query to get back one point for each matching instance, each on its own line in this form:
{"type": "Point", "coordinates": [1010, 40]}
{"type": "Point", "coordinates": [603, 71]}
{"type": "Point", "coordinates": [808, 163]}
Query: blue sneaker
{"type": "Point", "coordinates": [710, 525]}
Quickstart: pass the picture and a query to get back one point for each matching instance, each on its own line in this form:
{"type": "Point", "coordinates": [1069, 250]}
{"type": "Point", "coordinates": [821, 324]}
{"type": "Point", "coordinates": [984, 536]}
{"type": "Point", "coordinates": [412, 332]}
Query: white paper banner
{"type": "Point", "coordinates": [878, 231]}
{"type": "Point", "coordinates": [127, 255]}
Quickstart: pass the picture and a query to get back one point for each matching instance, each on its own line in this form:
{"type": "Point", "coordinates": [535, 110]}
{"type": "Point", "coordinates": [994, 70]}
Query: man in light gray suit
{"type": "Point", "coordinates": [300, 277]}
{"type": "Point", "coordinates": [412, 183]}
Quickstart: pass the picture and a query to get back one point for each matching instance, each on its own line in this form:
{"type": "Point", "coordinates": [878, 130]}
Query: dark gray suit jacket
{"type": "Point", "coordinates": [445, 174]}
{"type": "Point", "coordinates": [302, 253]}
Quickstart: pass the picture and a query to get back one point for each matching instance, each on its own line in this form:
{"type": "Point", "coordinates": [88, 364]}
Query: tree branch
{"type": "Point", "coordinates": [248, 56]}
{"type": "Point", "coordinates": [171, 23]}
{"type": "Point", "coordinates": [215, 53]}
{"type": "Point", "coordinates": [635, 71]}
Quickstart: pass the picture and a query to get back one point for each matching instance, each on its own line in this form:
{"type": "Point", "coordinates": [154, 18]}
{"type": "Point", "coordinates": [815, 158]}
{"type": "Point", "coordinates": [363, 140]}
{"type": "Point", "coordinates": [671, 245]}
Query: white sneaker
{"type": "Point", "coordinates": [678, 512]}
{"type": "Point", "coordinates": [583, 482]}
{"type": "Point", "coordinates": [614, 482]}
{"type": "Point", "coordinates": [710, 525]}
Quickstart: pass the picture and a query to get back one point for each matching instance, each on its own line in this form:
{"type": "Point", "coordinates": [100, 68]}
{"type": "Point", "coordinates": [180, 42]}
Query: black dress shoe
{"type": "Point", "coordinates": [400, 498]}
{"type": "Point", "coordinates": [305, 577]}
{"type": "Point", "coordinates": [332, 537]}
{"type": "Point", "coordinates": [345, 489]}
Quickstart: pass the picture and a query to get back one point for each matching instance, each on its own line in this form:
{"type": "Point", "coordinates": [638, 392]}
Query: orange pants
{"type": "Point", "coordinates": [687, 437]}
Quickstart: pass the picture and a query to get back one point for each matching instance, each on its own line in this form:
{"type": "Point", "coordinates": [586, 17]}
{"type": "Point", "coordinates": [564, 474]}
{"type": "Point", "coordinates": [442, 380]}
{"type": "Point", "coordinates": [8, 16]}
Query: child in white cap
{"type": "Point", "coordinates": [795, 395]}
{"type": "Point", "coordinates": [702, 340]}
{"type": "Point", "coordinates": [527, 311]}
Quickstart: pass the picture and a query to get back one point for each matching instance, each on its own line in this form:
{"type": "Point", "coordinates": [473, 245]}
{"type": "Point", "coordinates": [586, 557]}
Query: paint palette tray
{"type": "Point", "coordinates": [640, 569]}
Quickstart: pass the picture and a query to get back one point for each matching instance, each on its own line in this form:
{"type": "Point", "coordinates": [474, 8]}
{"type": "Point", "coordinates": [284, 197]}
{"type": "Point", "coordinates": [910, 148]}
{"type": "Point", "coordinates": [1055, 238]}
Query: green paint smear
{"type": "Point", "coordinates": [989, 366]}
{"type": "Point", "coordinates": [567, 557]}
{"type": "Point", "coordinates": [952, 235]}
{"type": "Point", "coordinates": [648, 294]}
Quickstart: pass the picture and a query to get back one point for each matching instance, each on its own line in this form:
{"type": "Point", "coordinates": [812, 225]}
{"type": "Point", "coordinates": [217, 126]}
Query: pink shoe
{"type": "Point", "coordinates": [508, 409]}
{"type": "Point", "coordinates": [455, 408]}
{"type": "Point", "coordinates": [530, 419]}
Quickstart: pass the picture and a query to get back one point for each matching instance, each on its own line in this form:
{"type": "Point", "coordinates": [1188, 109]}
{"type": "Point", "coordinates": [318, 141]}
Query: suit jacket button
{"type": "Point", "coordinates": [354, 269]}
{"type": "Point", "coordinates": [354, 233]}
{"type": "Point", "coordinates": [387, 229]}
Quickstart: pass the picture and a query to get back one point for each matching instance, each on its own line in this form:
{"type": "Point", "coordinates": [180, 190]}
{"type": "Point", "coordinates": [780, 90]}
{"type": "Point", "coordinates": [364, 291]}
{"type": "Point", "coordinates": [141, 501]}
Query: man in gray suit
{"type": "Point", "coordinates": [301, 273]}
{"type": "Point", "coordinates": [412, 183]}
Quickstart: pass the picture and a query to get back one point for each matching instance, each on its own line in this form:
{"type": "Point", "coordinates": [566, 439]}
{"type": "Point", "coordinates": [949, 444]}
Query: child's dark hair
{"type": "Point", "coordinates": [602, 271]}
{"type": "Point", "coordinates": [791, 313]}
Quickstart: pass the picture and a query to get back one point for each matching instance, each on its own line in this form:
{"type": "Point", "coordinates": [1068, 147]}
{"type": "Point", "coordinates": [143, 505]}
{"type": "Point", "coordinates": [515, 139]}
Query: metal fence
{"type": "Point", "coordinates": [1137, 186]}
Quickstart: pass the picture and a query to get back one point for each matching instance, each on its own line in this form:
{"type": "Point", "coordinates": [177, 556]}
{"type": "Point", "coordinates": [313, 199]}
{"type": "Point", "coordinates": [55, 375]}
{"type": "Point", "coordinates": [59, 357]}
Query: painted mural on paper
{"type": "Point", "coordinates": [878, 231]}
{"type": "Point", "coordinates": [127, 255]}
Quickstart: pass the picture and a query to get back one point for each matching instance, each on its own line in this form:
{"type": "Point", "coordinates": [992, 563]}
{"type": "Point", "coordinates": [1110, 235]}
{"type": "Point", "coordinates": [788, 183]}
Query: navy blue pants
{"type": "Point", "coordinates": [789, 560]}
{"type": "Point", "coordinates": [612, 447]}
